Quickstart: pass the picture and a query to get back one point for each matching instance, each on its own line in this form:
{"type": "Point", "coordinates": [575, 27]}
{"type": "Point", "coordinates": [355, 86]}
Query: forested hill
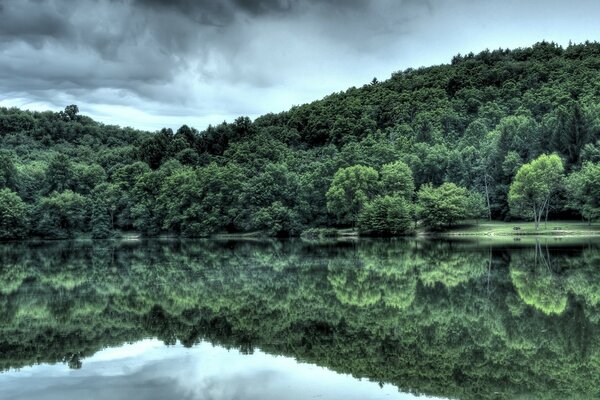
{"type": "Point", "coordinates": [473, 123]}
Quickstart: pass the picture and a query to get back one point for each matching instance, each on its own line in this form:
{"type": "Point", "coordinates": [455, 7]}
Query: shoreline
{"type": "Point", "coordinates": [483, 230]}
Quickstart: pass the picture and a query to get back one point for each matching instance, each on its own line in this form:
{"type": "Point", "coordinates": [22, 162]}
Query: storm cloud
{"type": "Point", "coordinates": [152, 63]}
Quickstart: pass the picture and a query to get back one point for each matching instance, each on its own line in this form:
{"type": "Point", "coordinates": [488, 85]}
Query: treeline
{"type": "Point", "coordinates": [382, 157]}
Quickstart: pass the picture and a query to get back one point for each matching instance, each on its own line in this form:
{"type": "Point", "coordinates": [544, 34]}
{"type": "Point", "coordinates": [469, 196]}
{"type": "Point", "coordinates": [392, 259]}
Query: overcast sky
{"type": "Point", "coordinates": [153, 63]}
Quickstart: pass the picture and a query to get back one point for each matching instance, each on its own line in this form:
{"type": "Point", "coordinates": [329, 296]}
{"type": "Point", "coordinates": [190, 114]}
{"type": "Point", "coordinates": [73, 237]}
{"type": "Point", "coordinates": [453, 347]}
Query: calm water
{"type": "Point", "coordinates": [295, 320]}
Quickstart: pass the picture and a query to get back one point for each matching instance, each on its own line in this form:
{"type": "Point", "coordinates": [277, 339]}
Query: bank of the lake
{"type": "Point", "coordinates": [472, 229]}
{"type": "Point", "coordinates": [467, 229]}
{"type": "Point", "coordinates": [521, 228]}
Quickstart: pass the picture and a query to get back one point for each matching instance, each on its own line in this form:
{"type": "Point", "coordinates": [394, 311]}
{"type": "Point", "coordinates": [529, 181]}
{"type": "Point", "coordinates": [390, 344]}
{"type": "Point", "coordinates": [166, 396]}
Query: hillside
{"type": "Point", "coordinates": [474, 123]}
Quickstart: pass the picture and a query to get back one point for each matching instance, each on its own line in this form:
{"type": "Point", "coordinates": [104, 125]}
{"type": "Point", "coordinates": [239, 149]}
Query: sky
{"type": "Point", "coordinates": [152, 63]}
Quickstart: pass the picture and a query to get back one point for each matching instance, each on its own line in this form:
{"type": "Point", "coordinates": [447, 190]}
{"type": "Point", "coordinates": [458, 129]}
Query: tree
{"type": "Point", "coordinates": [86, 177]}
{"type": "Point", "coordinates": [591, 152]}
{"type": "Point", "coordinates": [60, 215]}
{"type": "Point", "coordinates": [385, 216]}
{"type": "Point", "coordinates": [534, 185]}
{"type": "Point", "coordinates": [350, 190]}
{"type": "Point", "coordinates": [201, 201]}
{"type": "Point", "coordinates": [108, 195]}
{"type": "Point", "coordinates": [59, 175]}
{"type": "Point", "coordinates": [100, 221]}
{"type": "Point", "coordinates": [277, 220]}
{"type": "Point", "coordinates": [275, 184]}
{"type": "Point", "coordinates": [70, 113]}
{"type": "Point", "coordinates": [121, 193]}
{"type": "Point", "coordinates": [572, 130]}
{"type": "Point", "coordinates": [13, 215]}
{"type": "Point", "coordinates": [397, 179]}
{"type": "Point", "coordinates": [8, 172]}
{"type": "Point", "coordinates": [583, 190]}
{"type": "Point", "coordinates": [476, 206]}
{"type": "Point", "coordinates": [442, 206]}
{"type": "Point", "coordinates": [153, 150]}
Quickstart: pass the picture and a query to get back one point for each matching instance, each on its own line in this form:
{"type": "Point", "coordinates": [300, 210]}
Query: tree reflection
{"type": "Point", "coordinates": [535, 280]}
{"type": "Point", "coordinates": [450, 319]}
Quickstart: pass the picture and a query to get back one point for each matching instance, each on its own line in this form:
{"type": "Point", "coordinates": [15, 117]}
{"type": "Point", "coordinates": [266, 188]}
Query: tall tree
{"type": "Point", "coordinates": [583, 191]}
{"type": "Point", "coordinates": [61, 215]}
{"type": "Point", "coordinates": [385, 216]}
{"type": "Point", "coordinates": [13, 215]}
{"type": "Point", "coordinates": [8, 172]}
{"type": "Point", "coordinates": [397, 179]}
{"type": "Point", "coordinates": [59, 175]}
{"type": "Point", "coordinates": [443, 206]}
{"type": "Point", "coordinates": [350, 190]}
{"type": "Point", "coordinates": [534, 185]}
{"type": "Point", "coordinates": [100, 220]}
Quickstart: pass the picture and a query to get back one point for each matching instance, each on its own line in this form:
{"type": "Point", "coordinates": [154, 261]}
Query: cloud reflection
{"type": "Point", "coordinates": [150, 370]}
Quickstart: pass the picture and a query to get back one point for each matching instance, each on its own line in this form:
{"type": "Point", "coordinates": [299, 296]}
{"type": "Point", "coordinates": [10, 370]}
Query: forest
{"type": "Point", "coordinates": [503, 135]}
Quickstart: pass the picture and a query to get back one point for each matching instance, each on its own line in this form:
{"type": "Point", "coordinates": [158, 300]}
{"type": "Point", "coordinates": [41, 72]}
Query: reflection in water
{"type": "Point", "coordinates": [446, 319]}
{"type": "Point", "coordinates": [148, 370]}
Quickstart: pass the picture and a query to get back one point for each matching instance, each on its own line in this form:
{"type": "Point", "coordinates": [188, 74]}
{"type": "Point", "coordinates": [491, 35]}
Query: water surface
{"type": "Point", "coordinates": [373, 319]}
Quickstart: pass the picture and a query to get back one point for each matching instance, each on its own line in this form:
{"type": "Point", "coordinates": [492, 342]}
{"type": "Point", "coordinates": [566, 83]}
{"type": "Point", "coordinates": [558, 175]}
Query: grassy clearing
{"type": "Point", "coordinates": [553, 228]}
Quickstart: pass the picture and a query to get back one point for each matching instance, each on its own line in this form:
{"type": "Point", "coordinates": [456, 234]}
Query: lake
{"type": "Point", "coordinates": [367, 319]}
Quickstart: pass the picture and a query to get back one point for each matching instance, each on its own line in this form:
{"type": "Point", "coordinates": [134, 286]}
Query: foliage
{"type": "Point", "coordinates": [385, 216]}
{"type": "Point", "coordinates": [583, 188]}
{"type": "Point", "coordinates": [13, 215]}
{"type": "Point", "coordinates": [277, 220]}
{"type": "Point", "coordinates": [8, 172]}
{"type": "Point", "coordinates": [442, 206]}
{"type": "Point", "coordinates": [474, 122]}
{"type": "Point", "coordinates": [60, 215]}
{"type": "Point", "coordinates": [350, 190]}
{"type": "Point", "coordinates": [397, 179]}
{"type": "Point", "coordinates": [319, 233]}
{"type": "Point", "coordinates": [475, 206]}
{"type": "Point", "coordinates": [534, 185]}
{"type": "Point", "coordinates": [100, 220]}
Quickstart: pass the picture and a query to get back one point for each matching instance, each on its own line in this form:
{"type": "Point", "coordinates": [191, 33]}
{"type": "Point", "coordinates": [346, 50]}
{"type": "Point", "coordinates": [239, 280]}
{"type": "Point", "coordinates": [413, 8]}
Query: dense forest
{"type": "Point", "coordinates": [454, 320]}
{"type": "Point", "coordinates": [501, 134]}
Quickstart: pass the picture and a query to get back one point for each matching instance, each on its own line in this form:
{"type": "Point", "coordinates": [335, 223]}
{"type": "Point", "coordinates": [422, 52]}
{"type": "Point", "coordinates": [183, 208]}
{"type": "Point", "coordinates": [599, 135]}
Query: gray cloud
{"type": "Point", "coordinates": [150, 63]}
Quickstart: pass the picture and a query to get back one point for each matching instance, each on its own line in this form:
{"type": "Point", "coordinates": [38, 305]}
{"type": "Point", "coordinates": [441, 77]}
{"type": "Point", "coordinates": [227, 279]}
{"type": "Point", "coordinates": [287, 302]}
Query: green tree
{"type": "Point", "coordinates": [476, 206]}
{"type": "Point", "coordinates": [59, 174]}
{"type": "Point", "coordinates": [108, 195]}
{"type": "Point", "coordinates": [8, 172]}
{"type": "Point", "coordinates": [86, 177]}
{"type": "Point", "coordinates": [534, 185]}
{"type": "Point", "coordinates": [201, 201]}
{"type": "Point", "coordinates": [31, 180]}
{"type": "Point", "coordinates": [275, 184]}
{"type": "Point", "coordinates": [100, 220]}
{"type": "Point", "coordinates": [277, 220]}
{"type": "Point", "coordinates": [385, 216]}
{"type": "Point", "coordinates": [70, 112]}
{"type": "Point", "coordinates": [442, 206]}
{"type": "Point", "coordinates": [397, 179]}
{"type": "Point", "coordinates": [350, 190]}
{"type": "Point", "coordinates": [13, 215]}
{"type": "Point", "coordinates": [60, 215]}
{"type": "Point", "coordinates": [583, 190]}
